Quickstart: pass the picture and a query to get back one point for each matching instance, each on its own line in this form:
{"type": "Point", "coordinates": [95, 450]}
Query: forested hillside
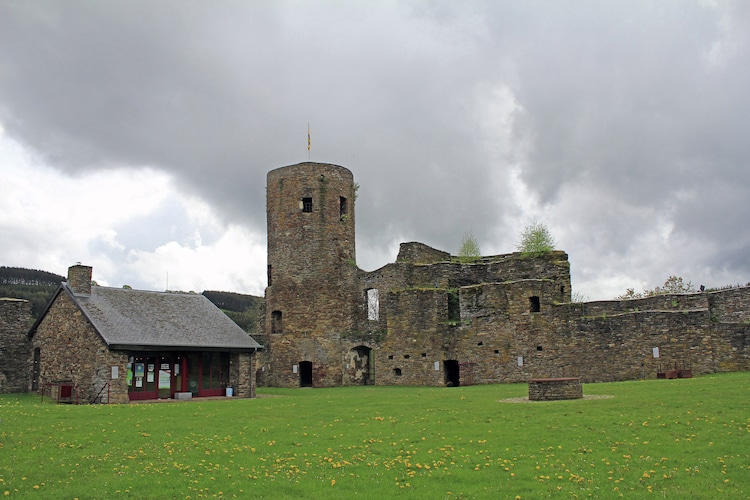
{"type": "Point", "coordinates": [31, 284]}
{"type": "Point", "coordinates": [245, 310]}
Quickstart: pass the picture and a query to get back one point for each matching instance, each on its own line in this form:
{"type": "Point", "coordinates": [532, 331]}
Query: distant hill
{"type": "Point", "coordinates": [31, 284]}
{"type": "Point", "coordinates": [23, 276]}
{"type": "Point", "coordinates": [245, 310]}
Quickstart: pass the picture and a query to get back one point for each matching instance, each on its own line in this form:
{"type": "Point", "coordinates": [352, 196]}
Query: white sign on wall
{"type": "Point", "coordinates": [520, 360]}
{"type": "Point", "coordinates": [437, 366]}
{"type": "Point", "coordinates": [656, 352]}
{"type": "Point", "coordinates": [294, 369]}
{"type": "Point", "coordinates": [115, 372]}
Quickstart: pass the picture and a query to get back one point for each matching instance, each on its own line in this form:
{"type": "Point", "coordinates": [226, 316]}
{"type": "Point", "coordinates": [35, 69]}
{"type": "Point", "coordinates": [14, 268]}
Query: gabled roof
{"type": "Point", "coordinates": [137, 319]}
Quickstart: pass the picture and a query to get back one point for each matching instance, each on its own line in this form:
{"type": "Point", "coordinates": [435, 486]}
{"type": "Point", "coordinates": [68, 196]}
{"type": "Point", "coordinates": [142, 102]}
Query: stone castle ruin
{"type": "Point", "coordinates": [432, 319]}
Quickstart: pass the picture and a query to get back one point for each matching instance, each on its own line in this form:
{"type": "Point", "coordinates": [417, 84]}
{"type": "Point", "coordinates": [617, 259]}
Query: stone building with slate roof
{"type": "Point", "coordinates": [99, 344]}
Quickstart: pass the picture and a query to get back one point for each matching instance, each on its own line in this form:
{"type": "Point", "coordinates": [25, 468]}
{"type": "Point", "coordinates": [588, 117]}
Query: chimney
{"type": "Point", "coordinates": [79, 279]}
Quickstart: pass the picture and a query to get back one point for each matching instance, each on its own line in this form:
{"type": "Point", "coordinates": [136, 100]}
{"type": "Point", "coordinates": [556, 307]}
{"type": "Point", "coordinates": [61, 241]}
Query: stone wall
{"type": "Point", "coordinates": [730, 306]}
{"type": "Point", "coordinates": [242, 374]}
{"type": "Point", "coordinates": [419, 253]}
{"type": "Point", "coordinates": [15, 347]}
{"type": "Point", "coordinates": [440, 320]}
{"type": "Point", "coordinates": [416, 338]}
{"type": "Point", "coordinates": [71, 350]}
{"type": "Point", "coordinates": [555, 389]}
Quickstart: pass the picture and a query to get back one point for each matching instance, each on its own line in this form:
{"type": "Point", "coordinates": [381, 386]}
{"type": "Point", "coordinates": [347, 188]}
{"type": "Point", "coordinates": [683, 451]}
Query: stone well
{"type": "Point", "coordinates": [553, 389]}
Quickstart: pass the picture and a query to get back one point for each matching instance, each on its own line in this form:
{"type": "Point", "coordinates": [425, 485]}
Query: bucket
{"type": "Point", "coordinates": [230, 392]}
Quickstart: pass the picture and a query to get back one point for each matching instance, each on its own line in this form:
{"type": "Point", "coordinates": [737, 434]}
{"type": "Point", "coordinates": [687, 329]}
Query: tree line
{"type": "Point", "coordinates": [245, 310]}
{"type": "Point", "coordinates": [23, 276]}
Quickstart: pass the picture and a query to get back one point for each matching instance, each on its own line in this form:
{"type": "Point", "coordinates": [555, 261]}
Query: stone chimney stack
{"type": "Point", "coordinates": [79, 279]}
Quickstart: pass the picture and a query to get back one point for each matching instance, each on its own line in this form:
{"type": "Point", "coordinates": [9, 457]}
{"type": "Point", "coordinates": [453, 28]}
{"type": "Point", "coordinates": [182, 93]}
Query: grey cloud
{"type": "Point", "coordinates": [636, 101]}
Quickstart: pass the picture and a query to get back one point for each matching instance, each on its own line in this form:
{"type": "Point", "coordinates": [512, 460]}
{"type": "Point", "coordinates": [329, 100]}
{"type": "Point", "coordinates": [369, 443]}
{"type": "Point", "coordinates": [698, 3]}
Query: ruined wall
{"type": "Point", "coordinates": [416, 339]}
{"type": "Point", "coordinates": [666, 302]}
{"type": "Point", "coordinates": [419, 253]}
{"type": "Point", "coordinates": [440, 320]}
{"type": "Point", "coordinates": [71, 350]}
{"type": "Point", "coordinates": [498, 338]}
{"type": "Point", "coordinates": [730, 306]}
{"type": "Point", "coordinates": [553, 268]}
{"type": "Point", "coordinates": [15, 347]}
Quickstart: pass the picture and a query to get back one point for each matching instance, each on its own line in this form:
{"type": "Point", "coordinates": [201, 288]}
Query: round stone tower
{"type": "Point", "coordinates": [312, 296]}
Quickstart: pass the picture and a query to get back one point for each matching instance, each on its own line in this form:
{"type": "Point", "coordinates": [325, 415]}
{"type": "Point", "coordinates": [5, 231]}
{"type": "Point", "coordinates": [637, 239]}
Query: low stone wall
{"type": "Point", "coordinates": [553, 389]}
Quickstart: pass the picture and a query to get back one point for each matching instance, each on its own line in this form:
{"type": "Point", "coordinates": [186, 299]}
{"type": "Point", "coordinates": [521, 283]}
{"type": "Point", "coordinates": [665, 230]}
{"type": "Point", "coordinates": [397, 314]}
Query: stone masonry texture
{"type": "Point", "coordinates": [440, 320]}
{"type": "Point", "coordinates": [72, 351]}
{"type": "Point", "coordinates": [15, 348]}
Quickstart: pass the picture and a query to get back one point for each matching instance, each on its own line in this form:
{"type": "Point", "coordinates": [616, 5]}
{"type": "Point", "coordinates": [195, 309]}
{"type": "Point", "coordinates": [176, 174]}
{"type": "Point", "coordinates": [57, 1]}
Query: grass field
{"type": "Point", "coordinates": [686, 438]}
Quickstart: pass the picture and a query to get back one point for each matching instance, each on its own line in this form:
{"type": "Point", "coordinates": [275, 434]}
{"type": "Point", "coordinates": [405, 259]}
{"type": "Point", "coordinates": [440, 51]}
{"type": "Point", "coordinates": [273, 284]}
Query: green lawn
{"type": "Point", "coordinates": [686, 438]}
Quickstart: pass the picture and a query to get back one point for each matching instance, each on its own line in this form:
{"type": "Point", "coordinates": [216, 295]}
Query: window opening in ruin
{"type": "Point", "coordinates": [305, 374]}
{"type": "Point", "coordinates": [424, 354]}
{"type": "Point", "coordinates": [343, 208]}
{"type": "Point", "coordinates": [497, 351]}
{"type": "Point", "coordinates": [407, 356]}
{"type": "Point", "coordinates": [480, 343]}
{"type": "Point", "coordinates": [538, 348]}
{"type": "Point", "coordinates": [276, 326]}
{"type": "Point", "coordinates": [390, 356]}
{"type": "Point", "coordinates": [397, 372]}
{"type": "Point", "coordinates": [35, 369]}
{"type": "Point", "coordinates": [269, 275]}
{"type": "Point", "coordinates": [450, 368]}
{"type": "Point", "coordinates": [534, 305]}
{"type": "Point", "coordinates": [307, 204]}
{"type": "Point", "coordinates": [373, 304]}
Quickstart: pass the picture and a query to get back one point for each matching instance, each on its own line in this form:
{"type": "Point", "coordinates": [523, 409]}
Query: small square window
{"type": "Point", "coordinates": [534, 305]}
{"type": "Point", "coordinates": [307, 204]}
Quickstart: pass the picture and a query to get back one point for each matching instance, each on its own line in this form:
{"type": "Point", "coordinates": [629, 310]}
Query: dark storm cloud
{"type": "Point", "coordinates": [637, 107]}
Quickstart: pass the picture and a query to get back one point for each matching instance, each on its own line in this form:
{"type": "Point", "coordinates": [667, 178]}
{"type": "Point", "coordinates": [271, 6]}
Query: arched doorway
{"type": "Point", "coordinates": [359, 366]}
{"type": "Point", "coordinates": [305, 374]}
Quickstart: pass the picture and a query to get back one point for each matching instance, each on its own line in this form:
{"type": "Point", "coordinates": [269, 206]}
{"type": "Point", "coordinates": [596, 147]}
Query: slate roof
{"type": "Point", "coordinates": [137, 319]}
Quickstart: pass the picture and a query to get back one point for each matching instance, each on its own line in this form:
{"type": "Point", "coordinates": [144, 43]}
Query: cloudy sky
{"type": "Point", "coordinates": [135, 136]}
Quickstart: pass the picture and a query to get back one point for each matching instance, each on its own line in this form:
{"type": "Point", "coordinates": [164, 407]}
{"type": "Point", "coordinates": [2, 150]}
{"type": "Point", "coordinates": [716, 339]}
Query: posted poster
{"type": "Point", "coordinates": [140, 369]}
{"type": "Point", "coordinates": [164, 379]}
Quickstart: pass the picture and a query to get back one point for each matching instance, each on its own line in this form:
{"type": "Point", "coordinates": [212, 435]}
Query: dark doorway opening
{"type": "Point", "coordinates": [450, 367]}
{"type": "Point", "coordinates": [305, 374]}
